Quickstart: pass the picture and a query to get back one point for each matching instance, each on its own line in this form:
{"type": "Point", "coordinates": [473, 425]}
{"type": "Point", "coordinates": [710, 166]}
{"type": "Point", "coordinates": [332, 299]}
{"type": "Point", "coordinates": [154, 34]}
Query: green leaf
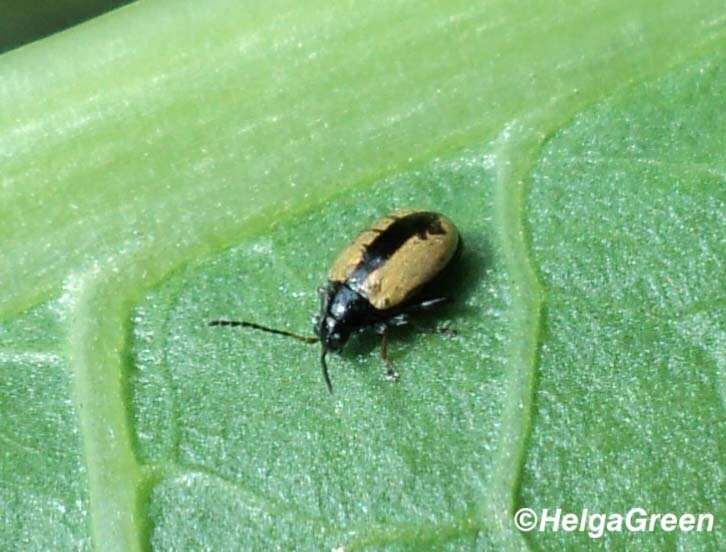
{"type": "Point", "coordinates": [162, 166]}
{"type": "Point", "coordinates": [626, 214]}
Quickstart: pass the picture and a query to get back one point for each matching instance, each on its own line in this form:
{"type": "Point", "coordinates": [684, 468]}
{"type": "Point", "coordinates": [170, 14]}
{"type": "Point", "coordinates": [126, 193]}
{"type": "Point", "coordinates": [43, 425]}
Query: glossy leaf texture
{"type": "Point", "coordinates": [167, 164]}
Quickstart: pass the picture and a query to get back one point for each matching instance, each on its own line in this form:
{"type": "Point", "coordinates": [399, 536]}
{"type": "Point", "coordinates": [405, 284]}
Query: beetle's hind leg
{"type": "Point", "coordinates": [426, 306]}
{"type": "Point", "coordinates": [391, 374]}
{"type": "Point", "coordinates": [444, 329]}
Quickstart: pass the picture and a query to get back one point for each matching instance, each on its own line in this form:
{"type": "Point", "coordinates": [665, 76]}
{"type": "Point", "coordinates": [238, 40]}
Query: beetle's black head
{"type": "Point", "coordinates": [342, 311]}
{"type": "Point", "coordinates": [332, 324]}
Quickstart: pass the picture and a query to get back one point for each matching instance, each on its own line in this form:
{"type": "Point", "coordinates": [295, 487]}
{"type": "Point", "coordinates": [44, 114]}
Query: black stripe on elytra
{"type": "Point", "coordinates": [392, 238]}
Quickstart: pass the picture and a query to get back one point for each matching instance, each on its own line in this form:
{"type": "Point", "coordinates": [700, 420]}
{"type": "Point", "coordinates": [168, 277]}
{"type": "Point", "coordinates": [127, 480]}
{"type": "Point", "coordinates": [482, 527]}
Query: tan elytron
{"type": "Point", "coordinates": [412, 265]}
{"type": "Point", "coordinates": [352, 255]}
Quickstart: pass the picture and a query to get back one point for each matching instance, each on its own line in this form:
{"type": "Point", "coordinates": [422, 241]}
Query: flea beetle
{"type": "Point", "coordinates": [385, 275]}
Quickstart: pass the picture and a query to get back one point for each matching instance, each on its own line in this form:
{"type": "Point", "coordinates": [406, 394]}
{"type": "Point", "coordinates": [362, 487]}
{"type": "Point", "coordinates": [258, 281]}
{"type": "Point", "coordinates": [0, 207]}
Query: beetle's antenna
{"type": "Point", "coordinates": [240, 324]}
{"type": "Point", "coordinates": [324, 366]}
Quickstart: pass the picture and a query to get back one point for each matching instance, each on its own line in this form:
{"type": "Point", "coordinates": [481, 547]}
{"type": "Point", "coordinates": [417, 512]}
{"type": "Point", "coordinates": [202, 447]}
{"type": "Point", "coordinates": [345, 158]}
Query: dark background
{"type": "Point", "coordinates": [23, 21]}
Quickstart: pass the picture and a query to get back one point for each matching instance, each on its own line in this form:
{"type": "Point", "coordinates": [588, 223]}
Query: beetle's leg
{"type": "Point", "coordinates": [391, 373]}
{"type": "Point", "coordinates": [443, 329]}
{"type": "Point", "coordinates": [399, 320]}
{"type": "Point", "coordinates": [426, 306]}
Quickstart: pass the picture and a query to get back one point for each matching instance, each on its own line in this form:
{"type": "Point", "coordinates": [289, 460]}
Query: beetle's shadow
{"type": "Point", "coordinates": [459, 283]}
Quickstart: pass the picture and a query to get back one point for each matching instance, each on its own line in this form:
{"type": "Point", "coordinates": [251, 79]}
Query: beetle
{"type": "Point", "coordinates": [387, 273]}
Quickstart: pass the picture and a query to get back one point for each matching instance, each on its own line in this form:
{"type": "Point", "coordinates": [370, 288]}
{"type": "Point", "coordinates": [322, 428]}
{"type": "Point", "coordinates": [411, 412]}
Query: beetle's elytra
{"type": "Point", "coordinates": [379, 280]}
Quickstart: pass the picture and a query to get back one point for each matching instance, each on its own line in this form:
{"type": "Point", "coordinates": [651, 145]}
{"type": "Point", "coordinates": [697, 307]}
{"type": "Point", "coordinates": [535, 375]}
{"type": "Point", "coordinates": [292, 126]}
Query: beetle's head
{"type": "Point", "coordinates": [332, 333]}
{"type": "Point", "coordinates": [330, 325]}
